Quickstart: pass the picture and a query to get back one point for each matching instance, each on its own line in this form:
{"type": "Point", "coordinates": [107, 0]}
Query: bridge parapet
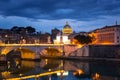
{"type": "Point", "coordinates": [37, 48]}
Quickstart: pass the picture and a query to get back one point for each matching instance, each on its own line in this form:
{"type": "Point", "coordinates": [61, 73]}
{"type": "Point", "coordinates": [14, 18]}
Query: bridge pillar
{"type": "Point", "coordinates": [69, 48]}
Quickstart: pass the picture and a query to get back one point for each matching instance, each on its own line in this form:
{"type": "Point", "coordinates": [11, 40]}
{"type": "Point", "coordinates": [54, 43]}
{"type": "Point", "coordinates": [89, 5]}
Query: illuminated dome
{"type": "Point", "coordinates": [67, 29]}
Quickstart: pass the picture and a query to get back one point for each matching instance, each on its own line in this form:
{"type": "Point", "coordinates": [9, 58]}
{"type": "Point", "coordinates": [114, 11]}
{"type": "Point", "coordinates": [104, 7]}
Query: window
{"type": "Point", "coordinates": [117, 37]}
{"type": "Point", "coordinates": [118, 41]}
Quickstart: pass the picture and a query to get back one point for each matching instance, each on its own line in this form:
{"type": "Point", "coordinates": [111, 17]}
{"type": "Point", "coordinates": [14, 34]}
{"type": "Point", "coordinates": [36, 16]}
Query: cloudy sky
{"type": "Point", "coordinates": [44, 15]}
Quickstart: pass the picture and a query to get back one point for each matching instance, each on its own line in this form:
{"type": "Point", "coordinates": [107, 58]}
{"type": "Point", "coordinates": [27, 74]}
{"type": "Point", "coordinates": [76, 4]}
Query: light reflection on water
{"type": "Point", "coordinates": [77, 70]}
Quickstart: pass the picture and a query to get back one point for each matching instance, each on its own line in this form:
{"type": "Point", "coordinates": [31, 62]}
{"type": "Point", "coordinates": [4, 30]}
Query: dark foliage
{"type": "Point", "coordinates": [23, 30]}
{"type": "Point", "coordinates": [82, 39]}
{"type": "Point", "coordinates": [30, 29]}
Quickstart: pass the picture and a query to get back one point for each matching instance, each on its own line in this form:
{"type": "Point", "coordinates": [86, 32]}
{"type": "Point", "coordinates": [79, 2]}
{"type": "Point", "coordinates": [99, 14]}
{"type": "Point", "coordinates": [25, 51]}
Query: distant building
{"type": "Point", "coordinates": [54, 33]}
{"type": "Point", "coordinates": [107, 35]}
{"type": "Point", "coordinates": [67, 29]}
{"type": "Point", "coordinates": [62, 37]}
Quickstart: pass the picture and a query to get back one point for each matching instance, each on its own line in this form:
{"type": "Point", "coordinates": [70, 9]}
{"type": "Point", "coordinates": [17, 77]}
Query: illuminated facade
{"type": "Point", "coordinates": [67, 29]}
{"type": "Point", "coordinates": [62, 38]}
{"type": "Point", "coordinates": [108, 35]}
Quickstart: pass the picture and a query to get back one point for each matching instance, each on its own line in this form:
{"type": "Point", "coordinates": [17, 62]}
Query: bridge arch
{"type": "Point", "coordinates": [53, 52]}
{"type": "Point", "coordinates": [36, 49]}
{"type": "Point", "coordinates": [13, 54]}
{"type": "Point", "coordinates": [31, 52]}
{"type": "Point", "coordinates": [23, 53]}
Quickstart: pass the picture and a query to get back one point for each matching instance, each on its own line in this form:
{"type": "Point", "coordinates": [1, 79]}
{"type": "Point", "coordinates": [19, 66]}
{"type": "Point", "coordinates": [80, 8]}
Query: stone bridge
{"type": "Point", "coordinates": [33, 51]}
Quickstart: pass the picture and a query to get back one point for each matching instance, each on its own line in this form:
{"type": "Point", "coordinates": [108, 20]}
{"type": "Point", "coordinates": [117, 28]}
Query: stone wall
{"type": "Point", "coordinates": [98, 51]}
{"type": "Point", "coordinates": [104, 51]}
{"type": "Point", "coordinates": [83, 51]}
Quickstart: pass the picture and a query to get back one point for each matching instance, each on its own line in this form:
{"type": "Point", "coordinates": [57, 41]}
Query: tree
{"type": "Point", "coordinates": [30, 29]}
{"type": "Point", "coordinates": [14, 29]}
{"type": "Point", "coordinates": [82, 39]}
{"type": "Point", "coordinates": [17, 29]}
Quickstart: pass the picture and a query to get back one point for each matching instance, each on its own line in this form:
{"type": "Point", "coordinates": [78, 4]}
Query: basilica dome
{"type": "Point", "coordinates": [67, 29]}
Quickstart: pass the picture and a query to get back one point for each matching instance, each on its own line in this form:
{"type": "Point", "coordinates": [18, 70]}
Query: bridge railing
{"type": "Point", "coordinates": [31, 44]}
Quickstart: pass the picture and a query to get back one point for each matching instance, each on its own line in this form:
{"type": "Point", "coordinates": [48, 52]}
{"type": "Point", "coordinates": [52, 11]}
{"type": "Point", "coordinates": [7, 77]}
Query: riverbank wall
{"type": "Point", "coordinates": [98, 51]}
{"type": "Point", "coordinates": [104, 51]}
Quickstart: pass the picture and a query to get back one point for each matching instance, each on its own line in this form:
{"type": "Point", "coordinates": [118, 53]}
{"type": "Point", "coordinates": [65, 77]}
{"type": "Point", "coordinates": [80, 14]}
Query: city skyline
{"type": "Point", "coordinates": [45, 15]}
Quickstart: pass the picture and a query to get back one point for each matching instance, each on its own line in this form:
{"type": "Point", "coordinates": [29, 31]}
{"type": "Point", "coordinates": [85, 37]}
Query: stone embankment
{"type": "Point", "coordinates": [97, 52]}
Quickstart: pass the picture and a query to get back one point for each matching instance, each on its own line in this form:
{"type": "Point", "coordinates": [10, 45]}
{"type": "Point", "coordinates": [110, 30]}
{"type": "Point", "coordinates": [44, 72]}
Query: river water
{"type": "Point", "coordinates": [73, 69]}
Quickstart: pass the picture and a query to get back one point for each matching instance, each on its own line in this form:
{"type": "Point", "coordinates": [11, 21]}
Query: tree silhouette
{"type": "Point", "coordinates": [82, 39]}
{"type": "Point", "coordinates": [30, 29]}
{"type": "Point", "coordinates": [15, 29]}
{"type": "Point", "coordinates": [23, 30]}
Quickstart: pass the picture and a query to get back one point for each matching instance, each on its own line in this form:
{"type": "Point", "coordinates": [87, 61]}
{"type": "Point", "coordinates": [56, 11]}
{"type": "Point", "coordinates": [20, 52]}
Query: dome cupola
{"type": "Point", "coordinates": [67, 29]}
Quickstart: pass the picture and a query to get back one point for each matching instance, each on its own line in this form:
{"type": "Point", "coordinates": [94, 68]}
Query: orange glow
{"type": "Point", "coordinates": [5, 50]}
{"type": "Point", "coordinates": [79, 72]}
{"type": "Point", "coordinates": [106, 43]}
{"type": "Point", "coordinates": [74, 41]}
{"type": "Point", "coordinates": [96, 76]}
{"type": "Point", "coordinates": [6, 74]}
{"type": "Point", "coordinates": [60, 50]}
{"type": "Point", "coordinates": [46, 61]}
{"type": "Point", "coordinates": [94, 37]}
{"type": "Point", "coordinates": [79, 46]}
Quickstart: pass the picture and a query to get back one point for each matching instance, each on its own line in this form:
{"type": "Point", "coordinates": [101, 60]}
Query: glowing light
{"type": "Point", "coordinates": [67, 29]}
{"type": "Point", "coordinates": [5, 74]}
{"type": "Point", "coordinates": [106, 43]}
{"type": "Point", "coordinates": [38, 75]}
{"type": "Point", "coordinates": [8, 63]}
{"type": "Point", "coordinates": [61, 50]}
{"type": "Point", "coordinates": [96, 76]}
{"type": "Point", "coordinates": [63, 40]}
{"type": "Point", "coordinates": [78, 72]}
{"type": "Point", "coordinates": [65, 73]}
{"type": "Point", "coordinates": [46, 61]}
{"type": "Point", "coordinates": [79, 46]}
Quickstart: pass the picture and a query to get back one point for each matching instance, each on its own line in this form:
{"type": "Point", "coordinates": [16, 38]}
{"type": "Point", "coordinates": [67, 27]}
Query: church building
{"type": "Point", "coordinates": [62, 38]}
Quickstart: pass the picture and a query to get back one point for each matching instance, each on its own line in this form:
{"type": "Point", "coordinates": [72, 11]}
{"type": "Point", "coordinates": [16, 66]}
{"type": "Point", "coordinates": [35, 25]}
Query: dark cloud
{"type": "Point", "coordinates": [60, 9]}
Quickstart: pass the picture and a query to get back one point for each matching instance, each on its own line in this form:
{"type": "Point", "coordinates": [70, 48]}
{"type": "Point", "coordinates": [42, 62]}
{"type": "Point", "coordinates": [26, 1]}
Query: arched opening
{"type": "Point", "coordinates": [26, 53]}
{"type": "Point", "coordinates": [51, 52]}
{"type": "Point", "coordinates": [22, 53]}
{"type": "Point", "coordinates": [13, 55]}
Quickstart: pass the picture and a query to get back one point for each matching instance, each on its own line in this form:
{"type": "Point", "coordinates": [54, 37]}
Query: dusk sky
{"type": "Point", "coordinates": [44, 15]}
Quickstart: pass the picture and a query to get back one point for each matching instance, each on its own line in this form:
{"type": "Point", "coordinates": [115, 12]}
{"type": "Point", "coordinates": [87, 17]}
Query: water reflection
{"type": "Point", "coordinates": [96, 76]}
{"type": "Point", "coordinates": [74, 70]}
{"type": "Point", "coordinates": [12, 66]}
{"type": "Point", "coordinates": [51, 64]}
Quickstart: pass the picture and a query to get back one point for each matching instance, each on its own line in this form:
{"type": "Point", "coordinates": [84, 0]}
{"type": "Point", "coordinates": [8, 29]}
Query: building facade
{"type": "Point", "coordinates": [62, 37]}
{"type": "Point", "coordinates": [108, 35]}
{"type": "Point", "coordinates": [54, 33]}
